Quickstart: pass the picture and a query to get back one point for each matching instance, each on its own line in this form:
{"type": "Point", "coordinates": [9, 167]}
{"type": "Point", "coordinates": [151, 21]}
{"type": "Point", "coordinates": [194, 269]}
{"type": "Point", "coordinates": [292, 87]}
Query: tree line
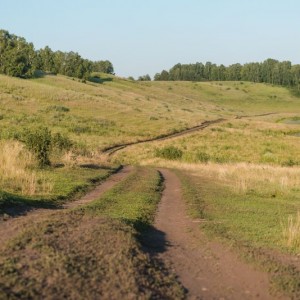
{"type": "Point", "coordinates": [19, 58]}
{"type": "Point", "coordinates": [269, 71]}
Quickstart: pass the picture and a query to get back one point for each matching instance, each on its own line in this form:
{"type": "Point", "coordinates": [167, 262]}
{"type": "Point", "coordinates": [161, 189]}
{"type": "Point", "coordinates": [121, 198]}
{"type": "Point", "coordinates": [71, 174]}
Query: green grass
{"type": "Point", "coordinates": [96, 115]}
{"type": "Point", "coordinates": [68, 183]}
{"type": "Point", "coordinates": [91, 252]}
{"type": "Point", "coordinates": [99, 115]}
{"type": "Point", "coordinates": [252, 223]}
{"type": "Point", "coordinates": [134, 200]}
{"type": "Point", "coordinates": [255, 140]}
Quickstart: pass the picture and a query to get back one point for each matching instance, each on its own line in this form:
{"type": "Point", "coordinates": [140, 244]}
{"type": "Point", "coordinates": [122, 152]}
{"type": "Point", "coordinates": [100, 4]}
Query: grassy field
{"type": "Point", "coordinates": [98, 115]}
{"type": "Point", "coordinates": [91, 252]}
{"type": "Point", "coordinates": [260, 140]}
{"type": "Point", "coordinates": [241, 176]}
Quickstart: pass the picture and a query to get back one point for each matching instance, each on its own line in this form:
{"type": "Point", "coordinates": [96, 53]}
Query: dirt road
{"type": "Point", "coordinates": [11, 227]}
{"type": "Point", "coordinates": [208, 270]}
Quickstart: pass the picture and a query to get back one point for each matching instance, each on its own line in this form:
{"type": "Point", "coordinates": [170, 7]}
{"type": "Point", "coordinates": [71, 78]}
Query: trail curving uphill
{"type": "Point", "coordinates": [208, 270]}
{"type": "Point", "coordinates": [112, 149]}
{"type": "Point", "coordinates": [11, 227]}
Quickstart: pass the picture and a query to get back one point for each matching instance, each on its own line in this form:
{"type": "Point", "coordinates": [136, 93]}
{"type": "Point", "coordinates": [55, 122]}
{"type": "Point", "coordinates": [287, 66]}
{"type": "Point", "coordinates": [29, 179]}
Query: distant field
{"type": "Point", "coordinates": [98, 115]}
{"type": "Point", "coordinates": [263, 140]}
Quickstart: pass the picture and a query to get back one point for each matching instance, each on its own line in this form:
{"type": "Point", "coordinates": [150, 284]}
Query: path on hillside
{"type": "Point", "coordinates": [112, 149]}
{"type": "Point", "coordinates": [208, 270]}
{"type": "Point", "coordinates": [115, 148]}
{"type": "Point", "coordinates": [12, 226]}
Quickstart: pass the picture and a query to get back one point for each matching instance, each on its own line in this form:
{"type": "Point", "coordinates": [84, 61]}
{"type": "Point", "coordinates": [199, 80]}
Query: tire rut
{"type": "Point", "coordinates": [208, 270]}
{"type": "Point", "coordinates": [11, 227]}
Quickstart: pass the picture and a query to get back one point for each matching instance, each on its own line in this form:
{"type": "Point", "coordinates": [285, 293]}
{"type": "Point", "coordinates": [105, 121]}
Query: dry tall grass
{"type": "Point", "coordinates": [241, 177]}
{"type": "Point", "coordinates": [291, 232]}
{"type": "Point", "coordinates": [15, 172]}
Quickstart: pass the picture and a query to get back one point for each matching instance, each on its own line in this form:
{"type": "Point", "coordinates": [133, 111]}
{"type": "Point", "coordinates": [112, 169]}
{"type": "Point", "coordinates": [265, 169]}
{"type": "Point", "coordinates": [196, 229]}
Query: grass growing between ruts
{"type": "Point", "coordinates": [91, 252]}
{"type": "Point", "coordinates": [134, 200]}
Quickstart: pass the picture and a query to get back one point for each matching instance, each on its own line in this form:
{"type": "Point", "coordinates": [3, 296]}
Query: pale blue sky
{"type": "Point", "coordinates": [146, 36]}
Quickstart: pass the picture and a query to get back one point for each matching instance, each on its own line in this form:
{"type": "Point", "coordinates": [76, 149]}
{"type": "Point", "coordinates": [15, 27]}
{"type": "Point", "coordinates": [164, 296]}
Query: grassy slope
{"type": "Point", "coordinates": [260, 140]}
{"type": "Point", "coordinates": [99, 115]}
{"type": "Point", "coordinates": [91, 252]}
{"type": "Point", "coordinates": [121, 110]}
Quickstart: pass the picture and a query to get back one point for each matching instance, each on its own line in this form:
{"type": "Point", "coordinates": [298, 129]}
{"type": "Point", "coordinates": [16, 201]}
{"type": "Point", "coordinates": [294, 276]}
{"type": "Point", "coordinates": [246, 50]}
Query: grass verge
{"type": "Point", "coordinates": [68, 184]}
{"type": "Point", "coordinates": [251, 223]}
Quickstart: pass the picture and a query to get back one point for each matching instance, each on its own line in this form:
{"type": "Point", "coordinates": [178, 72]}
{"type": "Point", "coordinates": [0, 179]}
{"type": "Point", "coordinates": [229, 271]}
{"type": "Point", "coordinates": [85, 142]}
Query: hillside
{"type": "Point", "coordinates": [236, 182]}
{"type": "Point", "coordinates": [119, 110]}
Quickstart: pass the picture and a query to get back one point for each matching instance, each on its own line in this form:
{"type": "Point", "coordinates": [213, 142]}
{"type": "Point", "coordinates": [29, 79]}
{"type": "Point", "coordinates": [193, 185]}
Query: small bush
{"type": "Point", "coordinates": [289, 163]}
{"type": "Point", "coordinates": [202, 157]}
{"type": "Point", "coordinates": [39, 142]}
{"type": "Point", "coordinates": [58, 108]}
{"type": "Point", "coordinates": [169, 152]}
{"type": "Point", "coordinates": [81, 129]}
{"type": "Point", "coordinates": [61, 142]}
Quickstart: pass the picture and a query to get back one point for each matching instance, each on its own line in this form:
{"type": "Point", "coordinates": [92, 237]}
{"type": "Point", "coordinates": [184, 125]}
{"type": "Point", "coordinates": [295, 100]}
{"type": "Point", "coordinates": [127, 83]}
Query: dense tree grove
{"type": "Point", "coordinates": [19, 58]}
{"type": "Point", "coordinates": [270, 71]}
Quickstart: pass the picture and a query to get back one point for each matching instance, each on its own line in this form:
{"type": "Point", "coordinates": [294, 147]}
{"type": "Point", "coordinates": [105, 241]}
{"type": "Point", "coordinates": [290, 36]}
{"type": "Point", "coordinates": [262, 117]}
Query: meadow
{"type": "Point", "coordinates": [240, 177]}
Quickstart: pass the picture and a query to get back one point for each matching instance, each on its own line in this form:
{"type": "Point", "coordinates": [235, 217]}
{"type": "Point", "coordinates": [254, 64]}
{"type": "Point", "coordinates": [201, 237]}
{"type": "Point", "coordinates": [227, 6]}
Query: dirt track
{"type": "Point", "coordinates": [115, 148]}
{"type": "Point", "coordinates": [11, 227]}
{"type": "Point", "coordinates": [112, 149]}
{"type": "Point", "coordinates": [208, 270]}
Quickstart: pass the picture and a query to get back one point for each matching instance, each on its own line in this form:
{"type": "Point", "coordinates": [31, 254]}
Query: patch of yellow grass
{"type": "Point", "coordinates": [241, 177]}
{"type": "Point", "coordinates": [15, 173]}
{"type": "Point", "coordinates": [291, 232]}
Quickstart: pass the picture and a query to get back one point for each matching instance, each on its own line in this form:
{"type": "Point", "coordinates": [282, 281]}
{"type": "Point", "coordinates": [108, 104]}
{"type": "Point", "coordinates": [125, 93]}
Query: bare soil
{"type": "Point", "coordinates": [207, 269]}
{"type": "Point", "coordinates": [11, 227]}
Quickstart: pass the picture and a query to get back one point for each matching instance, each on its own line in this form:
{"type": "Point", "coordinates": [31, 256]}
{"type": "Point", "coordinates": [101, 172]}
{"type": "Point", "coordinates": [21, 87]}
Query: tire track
{"type": "Point", "coordinates": [208, 270]}
{"type": "Point", "coordinates": [14, 225]}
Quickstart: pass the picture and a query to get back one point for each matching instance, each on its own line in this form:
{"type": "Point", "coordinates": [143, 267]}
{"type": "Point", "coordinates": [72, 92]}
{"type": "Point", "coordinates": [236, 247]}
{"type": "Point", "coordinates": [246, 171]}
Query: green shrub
{"type": "Point", "coordinates": [81, 129]}
{"type": "Point", "coordinates": [61, 142]}
{"type": "Point", "coordinates": [39, 142]}
{"type": "Point", "coordinates": [202, 157]}
{"type": "Point", "coordinates": [58, 108]}
{"type": "Point", "coordinates": [169, 152]}
{"type": "Point", "coordinates": [289, 163]}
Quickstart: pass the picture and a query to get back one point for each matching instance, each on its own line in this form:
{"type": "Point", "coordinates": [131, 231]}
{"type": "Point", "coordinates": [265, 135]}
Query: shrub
{"type": "Point", "coordinates": [289, 163]}
{"type": "Point", "coordinates": [58, 108]}
{"type": "Point", "coordinates": [61, 142]}
{"type": "Point", "coordinates": [39, 142]}
{"type": "Point", "coordinates": [169, 152]}
{"type": "Point", "coordinates": [202, 157]}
